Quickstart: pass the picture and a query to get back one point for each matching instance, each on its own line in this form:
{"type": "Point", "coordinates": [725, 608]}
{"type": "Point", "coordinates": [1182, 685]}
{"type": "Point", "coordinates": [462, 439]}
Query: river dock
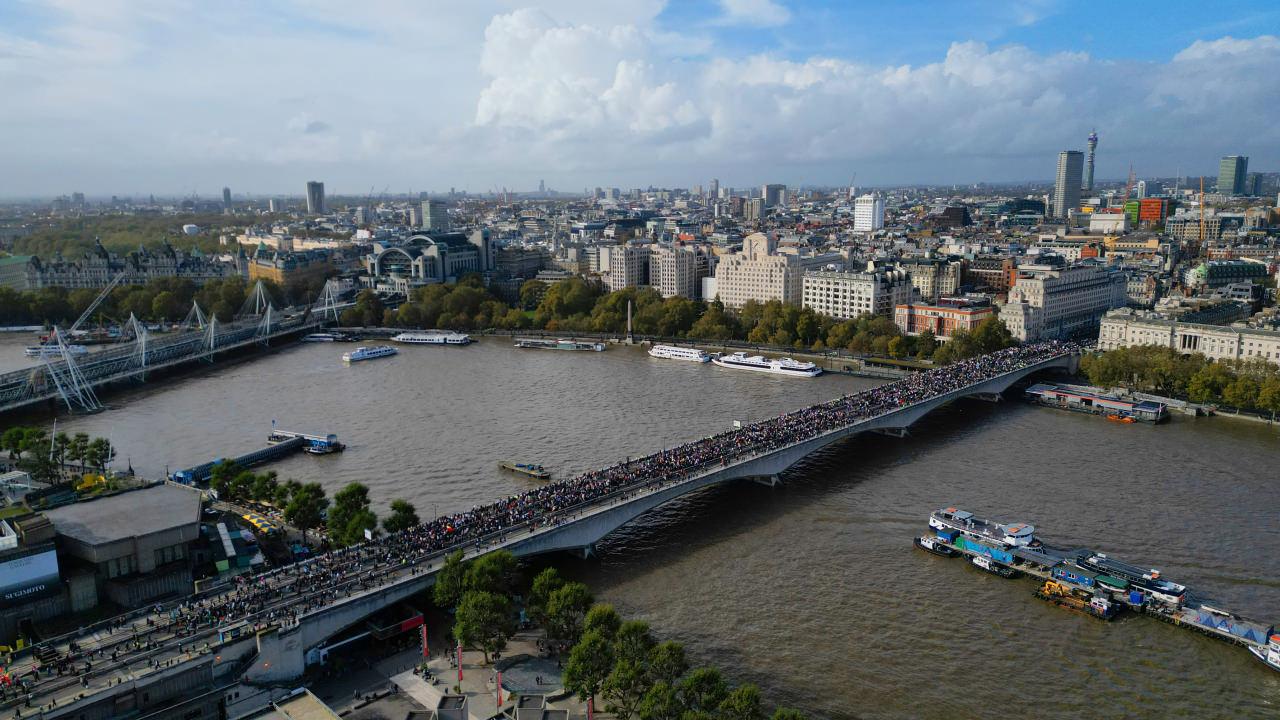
{"type": "Point", "coordinates": [280, 444]}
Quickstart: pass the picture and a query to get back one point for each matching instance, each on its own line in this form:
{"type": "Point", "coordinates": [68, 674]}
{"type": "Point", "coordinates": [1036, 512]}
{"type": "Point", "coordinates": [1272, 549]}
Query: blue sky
{"type": "Point", "coordinates": [164, 96]}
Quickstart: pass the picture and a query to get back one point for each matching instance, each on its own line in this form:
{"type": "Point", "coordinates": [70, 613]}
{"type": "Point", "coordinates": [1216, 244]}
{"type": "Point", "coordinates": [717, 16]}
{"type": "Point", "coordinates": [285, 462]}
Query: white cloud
{"type": "Point", "coordinates": [753, 13]}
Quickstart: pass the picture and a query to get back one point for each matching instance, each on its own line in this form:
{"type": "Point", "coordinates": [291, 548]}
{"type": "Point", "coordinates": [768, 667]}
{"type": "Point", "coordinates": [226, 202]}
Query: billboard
{"type": "Point", "coordinates": [29, 577]}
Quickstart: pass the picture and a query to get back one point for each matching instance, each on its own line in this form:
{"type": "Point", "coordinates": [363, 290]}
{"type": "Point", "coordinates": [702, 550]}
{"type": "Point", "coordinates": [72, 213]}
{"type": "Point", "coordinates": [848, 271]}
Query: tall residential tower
{"type": "Point", "coordinates": [1231, 174]}
{"type": "Point", "coordinates": [315, 198]}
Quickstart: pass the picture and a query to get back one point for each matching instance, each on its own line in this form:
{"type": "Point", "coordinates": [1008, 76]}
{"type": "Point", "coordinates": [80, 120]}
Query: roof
{"type": "Point", "coordinates": [135, 513]}
{"type": "Point", "coordinates": [301, 705]}
{"type": "Point", "coordinates": [15, 260]}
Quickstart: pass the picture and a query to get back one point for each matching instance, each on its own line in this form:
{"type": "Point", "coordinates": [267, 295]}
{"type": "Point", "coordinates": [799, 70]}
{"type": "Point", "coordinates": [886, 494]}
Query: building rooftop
{"type": "Point", "coordinates": [134, 513]}
{"type": "Point", "coordinates": [301, 705]}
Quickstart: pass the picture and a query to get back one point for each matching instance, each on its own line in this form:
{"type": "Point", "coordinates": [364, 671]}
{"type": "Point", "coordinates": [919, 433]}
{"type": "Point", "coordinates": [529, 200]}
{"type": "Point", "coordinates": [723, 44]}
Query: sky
{"type": "Point", "coordinates": [181, 97]}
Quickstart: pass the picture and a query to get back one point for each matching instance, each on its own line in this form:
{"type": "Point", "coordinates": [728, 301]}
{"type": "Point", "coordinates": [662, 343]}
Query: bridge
{"type": "Point", "coordinates": [175, 662]}
{"type": "Point", "coordinates": [74, 380]}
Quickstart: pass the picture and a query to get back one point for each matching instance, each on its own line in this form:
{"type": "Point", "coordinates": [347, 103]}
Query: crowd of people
{"type": "Point", "coordinates": [282, 595]}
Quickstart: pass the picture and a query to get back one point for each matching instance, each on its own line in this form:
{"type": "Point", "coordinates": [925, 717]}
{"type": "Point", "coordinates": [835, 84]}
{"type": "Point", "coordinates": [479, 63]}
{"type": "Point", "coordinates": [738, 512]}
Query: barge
{"type": "Point", "coordinates": [533, 471]}
{"type": "Point", "coordinates": [1092, 400]}
{"type": "Point", "coordinates": [560, 344]}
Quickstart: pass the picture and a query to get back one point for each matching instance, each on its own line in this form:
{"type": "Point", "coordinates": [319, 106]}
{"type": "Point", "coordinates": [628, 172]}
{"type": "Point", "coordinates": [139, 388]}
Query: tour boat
{"type": "Point", "coordinates": [994, 567]}
{"type": "Point", "coordinates": [672, 352]}
{"type": "Point", "coordinates": [54, 350]}
{"type": "Point", "coordinates": [534, 471]}
{"type": "Point", "coordinates": [433, 337]}
{"type": "Point", "coordinates": [1269, 654]}
{"type": "Point", "coordinates": [782, 366]}
{"type": "Point", "coordinates": [368, 353]}
{"type": "Point", "coordinates": [560, 344]}
{"type": "Point", "coordinates": [326, 337]}
{"type": "Point", "coordinates": [1147, 580]}
{"type": "Point", "coordinates": [965, 522]}
{"type": "Point", "coordinates": [934, 545]}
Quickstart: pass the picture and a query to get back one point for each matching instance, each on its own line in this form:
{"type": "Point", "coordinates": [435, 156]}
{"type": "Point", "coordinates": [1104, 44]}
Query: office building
{"type": "Point", "coordinates": [315, 198]}
{"type": "Point", "coordinates": [774, 195]}
{"type": "Point", "coordinates": [1056, 300]}
{"type": "Point", "coordinates": [678, 271]}
{"type": "Point", "coordinates": [1217, 273]}
{"type": "Point", "coordinates": [934, 277]}
{"type": "Point", "coordinates": [943, 318]}
{"type": "Point", "coordinates": [1088, 168]}
{"type": "Point", "coordinates": [762, 274]}
{"type": "Point", "coordinates": [1066, 186]}
{"type": "Point", "coordinates": [754, 210]}
{"type": "Point", "coordinates": [1126, 327]}
{"type": "Point", "coordinates": [845, 295]}
{"type": "Point", "coordinates": [628, 266]}
{"type": "Point", "coordinates": [868, 213]}
{"type": "Point", "coordinates": [1232, 171]}
{"type": "Point", "coordinates": [435, 216]}
{"type": "Point", "coordinates": [226, 198]}
{"type": "Point", "coordinates": [274, 205]}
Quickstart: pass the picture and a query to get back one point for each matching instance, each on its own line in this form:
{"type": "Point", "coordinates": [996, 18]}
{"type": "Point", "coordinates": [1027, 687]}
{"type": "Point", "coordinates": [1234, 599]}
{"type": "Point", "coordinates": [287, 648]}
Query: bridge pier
{"type": "Point", "coordinates": [586, 552]}
{"type": "Point", "coordinates": [893, 432]}
{"type": "Point", "coordinates": [988, 397]}
{"type": "Point", "coordinates": [767, 480]}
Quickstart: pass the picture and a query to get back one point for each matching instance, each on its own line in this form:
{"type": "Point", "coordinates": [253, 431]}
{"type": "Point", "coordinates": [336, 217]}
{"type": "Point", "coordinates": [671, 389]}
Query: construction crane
{"type": "Point", "coordinates": [88, 312]}
{"type": "Point", "coordinates": [1128, 188]}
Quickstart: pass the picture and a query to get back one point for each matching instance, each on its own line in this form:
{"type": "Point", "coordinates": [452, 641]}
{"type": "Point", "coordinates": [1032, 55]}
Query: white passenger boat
{"type": "Point", "coordinates": [672, 352]}
{"type": "Point", "coordinates": [54, 351]}
{"type": "Point", "coordinates": [780, 366]}
{"type": "Point", "coordinates": [369, 353]}
{"type": "Point", "coordinates": [432, 337]}
{"type": "Point", "coordinates": [325, 337]}
{"type": "Point", "coordinates": [1269, 653]}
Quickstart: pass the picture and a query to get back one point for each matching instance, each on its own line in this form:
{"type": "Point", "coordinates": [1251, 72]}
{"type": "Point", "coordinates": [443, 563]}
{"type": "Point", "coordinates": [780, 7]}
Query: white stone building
{"type": "Point", "coordinates": [1053, 300]}
{"type": "Point", "coordinates": [846, 295]}
{"type": "Point", "coordinates": [1125, 328]}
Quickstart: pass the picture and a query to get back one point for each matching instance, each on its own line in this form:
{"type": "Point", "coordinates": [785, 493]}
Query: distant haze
{"type": "Point", "coordinates": [170, 97]}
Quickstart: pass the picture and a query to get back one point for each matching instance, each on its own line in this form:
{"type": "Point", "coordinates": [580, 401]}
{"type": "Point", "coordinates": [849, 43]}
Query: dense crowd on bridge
{"type": "Point", "coordinates": [282, 595]}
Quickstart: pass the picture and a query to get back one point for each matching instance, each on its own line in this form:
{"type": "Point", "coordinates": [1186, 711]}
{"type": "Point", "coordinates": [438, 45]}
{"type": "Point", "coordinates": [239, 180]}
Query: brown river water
{"type": "Point", "coordinates": [811, 589]}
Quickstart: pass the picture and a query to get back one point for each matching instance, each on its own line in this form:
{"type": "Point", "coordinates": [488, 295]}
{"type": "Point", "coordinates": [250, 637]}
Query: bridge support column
{"type": "Point", "coordinates": [988, 397]}
{"type": "Point", "coordinates": [767, 480]}
{"type": "Point", "coordinates": [586, 552]}
{"type": "Point", "coordinates": [281, 657]}
{"type": "Point", "coordinates": [893, 432]}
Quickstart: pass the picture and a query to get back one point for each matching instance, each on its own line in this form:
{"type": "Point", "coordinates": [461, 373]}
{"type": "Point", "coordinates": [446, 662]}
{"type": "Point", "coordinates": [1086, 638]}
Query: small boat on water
{"type": "Point", "coordinates": [1269, 654]}
{"type": "Point", "coordinates": [673, 352]}
{"type": "Point", "coordinates": [1126, 419]}
{"type": "Point", "coordinates": [54, 350]}
{"type": "Point", "coordinates": [934, 545]}
{"type": "Point", "coordinates": [326, 448]}
{"type": "Point", "coordinates": [325, 337]}
{"type": "Point", "coordinates": [368, 353]}
{"type": "Point", "coordinates": [432, 337]}
{"type": "Point", "coordinates": [533, 471]}
{"type": "Point", "coordinates": [994, 567]}
{"type": "Point", "coordinates": [560, 344]}
{"type": "Point", "coordinates": [757, 363]}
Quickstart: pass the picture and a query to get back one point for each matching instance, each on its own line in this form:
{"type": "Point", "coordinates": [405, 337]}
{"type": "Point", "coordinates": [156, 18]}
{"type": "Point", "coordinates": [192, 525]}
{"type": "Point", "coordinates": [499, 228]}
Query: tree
{"type": "Point", "coordinates": [660, 703]}
{"type": "Point", "coordinates": [99, 454]}
{"type": "Point", "coordinates": [604, 619]}
{"type": "Point", "coordinates": [704, 689]}
{"type": "Point", "coordinates": [1269, 396]}
{"type": "Point", "coordinates": [264, 487]}
{"type": "Point", "coordinates": [625, 687]}
{"type": "Point", "coordinates": [350, 515]}
{"type": "Point", "coordinates": [667, 662]}
{"type": "Point", "coordinates": [486, 620]}
{"type": "Point", "coordinates": [566, 609]}
{"type": "Point", "coordinates": [1242, 392]}
{"type": "Point", "coordinates": [531, 293]}
{"type": "Point", "coordinates": [284, 492]}
{"type": "Point", "coordinates": [78, 449]}
{"type": "Point", "coordinates": [633, 642]}
{"type": "Point", "coordinates": [12, 440]}
{"type": "Point", "coordinates": [590, 662]}
{"type": "Point", "coordinates": [926, 344]}
{"type": "Point", "coordinates": [220, 478]}
{"type": "Point", "coordinates": [403, 516]}
{"type": "Point", "coordinates": [546, 583]}
{"type": "Point", "coordinates": [1207, 384]}
{"type": "Point", "coordinates": [61, 442]}
{"type": "Point", "coordinates": [495, 572]}
{"type": "Point", "coordinates": [306, 508]}
{"type": "Point", "coordinates": [783, 713]}
{"type": "Point", "coordinates": [744, 703]}
{"type": "Point", "coordinates": [449, 586]}
{"type": "Point", "coordinates": [991, 335]}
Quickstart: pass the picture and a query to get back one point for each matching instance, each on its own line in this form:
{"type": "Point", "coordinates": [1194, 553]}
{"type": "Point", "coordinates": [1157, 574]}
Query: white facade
{"type": "Point", "coordinates": [1126, 328]}
{"type": "Point", "coordinates": [628, 266]}
{"type": "Point", "coordinates": [435, 216]}
{"type": "Point", "coordinates": [868, 213]}
{"type": "Point", "coordinates": [846, 295]}
{"type": "Point", "coordinates": [1051, 301]}
{"type": "Point", "coordinates": [759, 273]}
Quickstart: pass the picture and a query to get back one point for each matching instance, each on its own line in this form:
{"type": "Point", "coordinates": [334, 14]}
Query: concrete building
{"type": "Point", "coordinates": [1066, 186]}
{"type": "Point", "coordinates": [934, 277]}
{"type": "Point", "coordinates": [1126, 327]}
{"type": "Point", "coordinates": [760, 273]}
{"type": "Point", "coordinates": [868, 213]}
{"type": "Point", "coordinates": [315, 198]}
{"type": "Point", "coordinates": [1216, 273]}
{"type": "Point", "coordinates": [845, 295]}
{"type": "Point", "coordinates": [1232, 171]}
{"type": "Point", "coordinates": [943, 318]}
{"type": "Point", "coordinates": [435, 216]}
{"type": "Point", "coordinates": [226, 198]}
{"type": "Point", "coordinates": [774, 195]}
{"type": "Point", "coordinates": [136, 542]}
{"type": "Point", "coordinates": [628, 266]}
{"type": "Point", "coordinates": [991, 273]}
{"type": "Point", "coordinates": [427, 259]}
{"type": "Point", "coordinates": [678, 271]}
{"type": "Point", "coordinates": [753, 210]}
{"type": "Point", "coordinates": [1056, 300]}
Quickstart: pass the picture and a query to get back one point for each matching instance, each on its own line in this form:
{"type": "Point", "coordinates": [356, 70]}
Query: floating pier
{"type": "Point", "coordinates": [280, 444]}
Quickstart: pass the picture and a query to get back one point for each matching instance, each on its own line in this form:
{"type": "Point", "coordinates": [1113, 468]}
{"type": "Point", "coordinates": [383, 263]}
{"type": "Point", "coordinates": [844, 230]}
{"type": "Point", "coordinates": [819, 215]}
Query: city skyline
{"type": "Point", "coordinates": [138, 98]}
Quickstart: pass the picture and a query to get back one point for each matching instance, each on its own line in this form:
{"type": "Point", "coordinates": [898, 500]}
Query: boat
{"type": "Point", "coordinates": [325, 337]}
{"type": "Point", "coordinates": [780, 366]}
{"type": "Point", "coordinates": [1148, 581]}
{"type": "Point", "coordinates": [934, 545]}
{"type": "Point", "coordinates": [54, 350]}
{"type": "Point", "coordinates": [965, 522]}
{"type": "Point", "coordinates": [368, 353]}
{"type": "Point", "coordinates": [559, 344]}
{"type": "Point", "coordinates": [1127, 419]}
{"type": "Point", "coordinates": [324, 448]}
{"type": "Point", "coordinates": [534, 471]}
{"type": "Point", "coordinates": [1096, 605]}
{"type": "Point", "coordinates": [432, 337]}
{"type": "Point", "coordinates": [673, 352]}
{"type": "Point", "coordinates": [994, 567]}
{"type": "Point", "coordinates": [1269, 653]}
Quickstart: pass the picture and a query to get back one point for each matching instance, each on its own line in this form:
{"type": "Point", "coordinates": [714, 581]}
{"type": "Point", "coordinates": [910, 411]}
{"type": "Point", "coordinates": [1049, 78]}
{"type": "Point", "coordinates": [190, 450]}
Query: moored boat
{"type": "Point", "coordinates": [993, 567]}
{"type": "Point", "coordinates": [50, 350]}
{"type": "Point", "coordinates": [432, 337]}
{"type": "Point", "coordinates": [757, 363]}
{"type": "Point", "coordinates": [1269, 654]}
{"type": "Point", "coordinates": [934, 545]}
{"type": "Point", "coordinates": [533, 471]}
{"type": "Point", "coordinates": [325, 337]}
{"type": "Point", "coordinates": [368, 353]}
{"type": "Point", "coordinates": [674, 352]}
{"type": "Point", "coordinates": [559, 344]}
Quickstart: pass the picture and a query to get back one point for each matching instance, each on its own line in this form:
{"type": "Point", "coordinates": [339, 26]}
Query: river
{"type": "Point", "coordinates": [811, 589]}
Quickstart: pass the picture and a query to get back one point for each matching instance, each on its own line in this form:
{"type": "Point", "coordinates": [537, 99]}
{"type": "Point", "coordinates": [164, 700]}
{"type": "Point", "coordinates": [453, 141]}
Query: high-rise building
{"type": "Point", "coordinates": [1057, 300]}
{"type": "Point", "coordinates": [226, 198]}
{"type": "Point", "coordinates": [762, 274]}
{"type": "Point", "coordinates": [1088, 168]}
{"type": "Point", "coordinates": [774, 195]}
{"type": "Point", "coordinates": [274, 205]}
{"type": "Point", "coordinates": [435, 216]}
{"type": "Point", "coordinates": [315, 198]}
{"type": "Point", "coordinates": [846, 295]}
{"type": "Point", "coordinates": [542, 186]}
{"type": "Point", "coordinates": [628, 266]}
{"type": "Point", "coordinates": [715, 188]}
{"type": "Point", "coordinates": [1232, 172]}
{"type": "Point", "coordinates": [868, 213]}
{"type": "Point", "coordinates": [1066, 186]}
{"type": "Point", "coordinates": [678, 271]}
{"type": "Point", "coordinates": [753, 211]}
